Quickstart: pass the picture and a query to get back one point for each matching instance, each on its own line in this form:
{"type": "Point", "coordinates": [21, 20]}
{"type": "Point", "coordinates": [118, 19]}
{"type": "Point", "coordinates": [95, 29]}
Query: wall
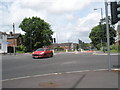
{"type": "Point", "coordinates": [3, 43]}
{"type": "Point", "coordinates": [118, 34]}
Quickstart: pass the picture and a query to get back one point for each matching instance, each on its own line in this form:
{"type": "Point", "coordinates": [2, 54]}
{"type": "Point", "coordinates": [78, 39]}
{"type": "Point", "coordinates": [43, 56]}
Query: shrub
{"type": "Point", "coordinates": [59, 48]}
{"type": "Point", "coordinates": [21, 48]}
{"type": "Point", "coordinates": [115, 47]}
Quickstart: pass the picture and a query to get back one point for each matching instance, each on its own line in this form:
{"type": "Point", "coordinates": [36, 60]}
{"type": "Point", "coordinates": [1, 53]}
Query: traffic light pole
{"type": "Point", "coordinates": [108, 40]}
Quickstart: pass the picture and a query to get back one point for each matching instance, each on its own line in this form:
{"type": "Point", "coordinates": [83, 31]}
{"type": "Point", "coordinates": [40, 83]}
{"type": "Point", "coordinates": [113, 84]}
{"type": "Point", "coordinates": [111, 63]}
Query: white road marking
{"type": "Point", "coordinates": [34, 76]}
{"type": "Point", "coordinates": [106, 54]}
{"type": "Point", "coordinates": [70, 62]}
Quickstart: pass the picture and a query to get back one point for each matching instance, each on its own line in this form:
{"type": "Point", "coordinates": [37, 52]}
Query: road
{"type": "Point", "coordinates": [23, 65]}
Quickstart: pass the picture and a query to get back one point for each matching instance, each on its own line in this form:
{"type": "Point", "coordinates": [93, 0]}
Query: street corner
{"type": "Point", "coordinates": [99, 53]}
{"type": "Point", "coordinates": [80, 79]}
{"type": "Point", "coordinates": [56, 80]}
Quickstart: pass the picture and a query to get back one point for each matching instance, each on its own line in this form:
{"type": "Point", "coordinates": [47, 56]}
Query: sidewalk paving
{"type": "Point", "coordinates": [86, 79]}
{"type": "Point", "coordinates": [101, 53]}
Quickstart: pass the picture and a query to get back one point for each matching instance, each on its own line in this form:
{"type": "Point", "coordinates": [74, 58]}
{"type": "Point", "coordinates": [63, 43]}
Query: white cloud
{"type": "Point", "coordinates": [85, 23]}
{"type": "Point", "coordinates": [54, 6]}
{"type": "Point", "coordinates": [81, 30]}
{"type": "Point", "coordinates": [69, 17]}
{"type": "Point", "coordinates": [59, 13]}
{"type": "Point", "coordinates": [68, 5]}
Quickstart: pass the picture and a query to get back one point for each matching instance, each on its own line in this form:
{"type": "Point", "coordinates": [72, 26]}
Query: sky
{"type": "Point", "coordinates": [70, 20]}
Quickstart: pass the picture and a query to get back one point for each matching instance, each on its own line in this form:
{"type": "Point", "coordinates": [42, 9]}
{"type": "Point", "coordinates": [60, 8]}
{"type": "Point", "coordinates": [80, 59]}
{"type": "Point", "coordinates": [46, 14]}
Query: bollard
{"type": "Point", "coordinates": [66, 50]}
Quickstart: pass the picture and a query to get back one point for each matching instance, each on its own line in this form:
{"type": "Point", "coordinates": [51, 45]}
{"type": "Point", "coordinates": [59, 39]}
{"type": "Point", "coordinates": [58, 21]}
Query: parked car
{"type": "Point", "coordinates": [42, 52]}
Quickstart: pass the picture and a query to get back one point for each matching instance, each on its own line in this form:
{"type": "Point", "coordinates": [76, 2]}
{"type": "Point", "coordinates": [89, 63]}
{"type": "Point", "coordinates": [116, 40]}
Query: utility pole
{"type": "Point", "coordinates": [30, 40]}
{"type": "Point", "coordinates": [102, 40]}
{"type": "Point", "coordinates": [101, 22]}
{"type": "Point", "coordinates": [14, 39]}
{"type": "Point", "coordinates": [107, 30]}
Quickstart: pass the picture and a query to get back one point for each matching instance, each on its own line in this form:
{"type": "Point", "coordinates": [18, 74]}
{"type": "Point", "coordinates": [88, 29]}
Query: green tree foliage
{"type": "Point", "coordinates": [77, 46]}
{"type": "Point", "coordinates": [98, 33]}
{"type": "Point", "coordinates": [38, 33]}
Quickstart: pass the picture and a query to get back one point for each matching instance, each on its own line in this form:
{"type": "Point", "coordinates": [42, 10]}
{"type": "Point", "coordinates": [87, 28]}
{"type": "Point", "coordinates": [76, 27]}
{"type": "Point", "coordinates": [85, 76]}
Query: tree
{"type": "Point", "coordinates": [97, 34]}
{"type": "Point", "coordinates": [37, 33]}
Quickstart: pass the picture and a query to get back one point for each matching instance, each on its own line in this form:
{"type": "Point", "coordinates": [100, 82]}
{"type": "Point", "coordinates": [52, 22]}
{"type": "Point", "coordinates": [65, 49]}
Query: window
{"type": "Point", "coordinates": [0, 46]}
{"type": "Point", "coordinates": [1, 37]}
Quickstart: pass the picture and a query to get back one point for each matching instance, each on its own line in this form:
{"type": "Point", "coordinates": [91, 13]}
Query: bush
{"type": "Point", "coordinates": [98, 46]}
{"type": "Point", "coordinates": [115, 47]}
{"type": "Point", "coordinates": [21, 48]}
{"type": "Point", "coordinates": [59, 48]}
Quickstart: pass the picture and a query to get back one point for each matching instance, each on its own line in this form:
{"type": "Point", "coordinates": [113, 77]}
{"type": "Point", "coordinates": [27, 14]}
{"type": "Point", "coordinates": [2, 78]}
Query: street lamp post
{"type": "Point", "coordinates": [14, 39]}
{"type": "Point", "coordinates": [101, 21]}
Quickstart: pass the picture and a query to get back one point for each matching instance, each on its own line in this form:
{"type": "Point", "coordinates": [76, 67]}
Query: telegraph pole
{"type": "Point", "coordinates": [102, 29]}
{"type": "Point", "coordinates": [14, 38]}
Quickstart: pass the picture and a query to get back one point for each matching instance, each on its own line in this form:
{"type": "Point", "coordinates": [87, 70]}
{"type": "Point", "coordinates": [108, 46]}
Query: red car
{"type": "Point", "coordinates": [42, 52]}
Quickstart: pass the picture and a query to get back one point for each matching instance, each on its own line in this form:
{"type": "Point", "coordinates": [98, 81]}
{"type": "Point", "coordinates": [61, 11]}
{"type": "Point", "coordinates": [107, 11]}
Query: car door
{"type": "Point", "coordinates": [47, 52]}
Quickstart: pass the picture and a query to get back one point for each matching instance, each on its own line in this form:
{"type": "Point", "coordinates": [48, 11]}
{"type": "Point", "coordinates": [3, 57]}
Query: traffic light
{"type": "Point", "coordinates": [115, 11]}
{"type": "Point", "coordinates": [54, 40]}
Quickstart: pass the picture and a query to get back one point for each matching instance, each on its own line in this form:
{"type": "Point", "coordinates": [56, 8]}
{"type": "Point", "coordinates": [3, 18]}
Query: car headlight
{"type": "Point", "coordinates": [42, 53]}
{"type": "Point", "coordinates": [33, 53]}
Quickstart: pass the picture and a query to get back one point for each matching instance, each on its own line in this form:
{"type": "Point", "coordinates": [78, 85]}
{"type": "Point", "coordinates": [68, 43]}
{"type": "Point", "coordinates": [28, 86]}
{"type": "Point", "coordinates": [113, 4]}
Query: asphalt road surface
{"type": "Point", "coordinates": [23, 65]}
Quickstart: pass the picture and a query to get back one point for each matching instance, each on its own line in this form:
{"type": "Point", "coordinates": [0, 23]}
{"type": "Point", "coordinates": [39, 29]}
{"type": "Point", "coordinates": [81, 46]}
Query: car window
{"type": "Point", "coordinates": [47, 49]}
{"type": "Point", "coordinates": [41, 49]}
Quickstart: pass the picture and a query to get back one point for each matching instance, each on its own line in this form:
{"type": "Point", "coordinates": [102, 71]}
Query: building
{"type": "Point", "coordinates": [68, 46]}
{"type": "Point", "coordinates": [3, 42]}
{"type": "Point", "coordinates": [118, 34]}
{"type": "Point", "coordinates": [14, 40]}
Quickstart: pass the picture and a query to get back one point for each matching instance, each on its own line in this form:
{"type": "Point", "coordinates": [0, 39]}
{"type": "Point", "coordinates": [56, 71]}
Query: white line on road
{"type": "Point", "coordinates": [34, 76]}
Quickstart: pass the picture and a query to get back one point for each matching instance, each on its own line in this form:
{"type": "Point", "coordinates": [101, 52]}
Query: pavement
{"type": "Point", "coordinates": [76, 79]}
{"type": "Point", "coordinates": [101, 53]}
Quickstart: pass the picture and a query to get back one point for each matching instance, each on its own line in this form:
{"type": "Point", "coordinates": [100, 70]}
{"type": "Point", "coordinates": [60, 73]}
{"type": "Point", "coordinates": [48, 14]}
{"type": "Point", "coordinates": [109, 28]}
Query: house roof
{"type": "Point", "coordinates": [3, 33]}
{"type": "Point", "coordinates": [64, 44]}
{"type": "Point", "coordinates": [13, 36]}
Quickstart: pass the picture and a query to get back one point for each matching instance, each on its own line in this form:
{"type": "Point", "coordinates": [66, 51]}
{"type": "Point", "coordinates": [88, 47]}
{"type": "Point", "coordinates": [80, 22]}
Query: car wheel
{"type": "Point", "coordinates": [52, 55]}
{"type": "Point", "coordinates": [45, 55]}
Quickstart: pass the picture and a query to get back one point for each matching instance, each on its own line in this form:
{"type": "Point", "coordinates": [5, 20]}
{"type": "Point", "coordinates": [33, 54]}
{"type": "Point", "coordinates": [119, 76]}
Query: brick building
{"type": "Point", "coordinates": [69, 46]}
{"type": "Point", "coordinates": [14, 39]}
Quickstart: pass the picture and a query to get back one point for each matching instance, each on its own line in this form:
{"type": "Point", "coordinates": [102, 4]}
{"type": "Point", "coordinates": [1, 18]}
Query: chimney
{"type": "Point", "coordinates": [11, 34]}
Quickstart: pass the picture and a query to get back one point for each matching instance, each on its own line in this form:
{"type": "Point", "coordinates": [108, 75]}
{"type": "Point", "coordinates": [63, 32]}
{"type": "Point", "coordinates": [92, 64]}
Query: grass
{"type": "Point", "coordinates": [20, 52]}
{"type": "Point", "coordinates": [112, 51]}
{"type": "Point", "coordinates": [115, 51]}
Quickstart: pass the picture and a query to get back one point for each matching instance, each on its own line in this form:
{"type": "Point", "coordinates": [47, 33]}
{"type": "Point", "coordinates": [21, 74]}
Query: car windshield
{"type": "Point", "coordinates": [41, 49]}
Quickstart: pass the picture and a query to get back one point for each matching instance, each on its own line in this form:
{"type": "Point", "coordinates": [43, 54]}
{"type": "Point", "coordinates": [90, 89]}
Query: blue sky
{"type": "Point", "coordinates": [69, 19]}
